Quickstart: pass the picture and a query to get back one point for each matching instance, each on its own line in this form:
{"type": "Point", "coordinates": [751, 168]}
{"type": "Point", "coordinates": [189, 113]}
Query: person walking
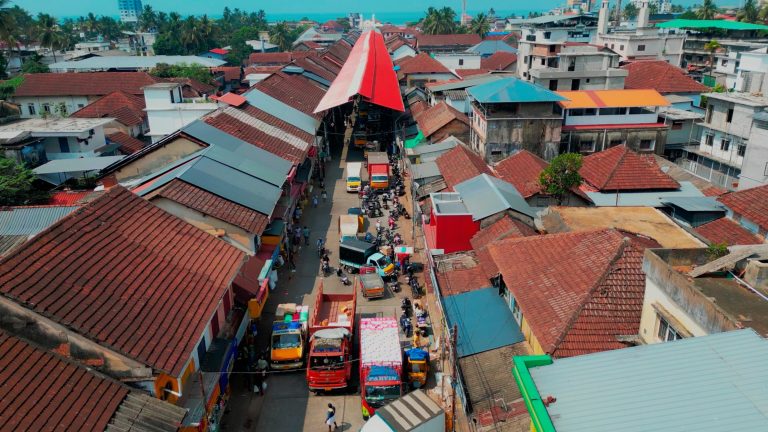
{"type": "Point", "coordinates": [306, 235]}
{"type": "Point", "coordinates": [324, 194]}
{"type": "Point", "coordinates": [314, 201]}
{"type": "Point", "coordinates": [330, 417]}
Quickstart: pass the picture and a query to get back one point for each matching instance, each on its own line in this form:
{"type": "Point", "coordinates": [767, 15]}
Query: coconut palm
{"type": "Point", "coordinates": [712, 47]}
{"type": "Point", "coordinates": [707, 10]}
{"type": "Point", "coordinates": [148, 18]}
{"type": "Point", "coordinates": [48, 33]}
{"type": "Point", "coordinates": [280, 35]}
{"type": "Point", "coordinates": [8, 26]}
{"type": "Point", "coordinates": [91, 24]}
{"type": "Point", "coordinates": [480, 24]}
{"type": "Point", "coordinates": [762, 15]}
{"type": "Point", "coordinates": [439, 21]}
{"type": "Point", "coordinates": [748, 12]}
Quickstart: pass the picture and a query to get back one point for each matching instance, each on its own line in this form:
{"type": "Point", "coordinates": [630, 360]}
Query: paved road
{"type": "Point", "coordinates": [288, 406]}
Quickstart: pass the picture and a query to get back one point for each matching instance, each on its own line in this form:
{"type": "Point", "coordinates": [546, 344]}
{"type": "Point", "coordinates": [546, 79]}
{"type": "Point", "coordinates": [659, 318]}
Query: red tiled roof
{"type": "Point", "coordinates": [127, 275]}
{"type": "Point", "coordinates": [274, 58]}
{"type": "Point", "coordinates": [339, 52]}
{"type": "Point", "coordinates": [128, 144]}
{"type": "Point", "coordinates": [311, 44]}
{"type": "Point", "coordinates": [460, 164]}
{"type": "Point", "coordinates": [457, 281]}
{"type": "Point", "coordinates": [84, 83]}
{"type": "Point", "coordinates": [310, 65]}
{"type": "Point", "coordinates": [751, 204]}
{"type": "Point", "coordinates": [67, 198]}
{"type": "Point", "coordinates": [434, 118]}
{"type": "Point", "coordinates": [417, 107]}
{"type": "Point", "coordinates": [231, 73]}
{"type": "Point", "coordinates": [126, 108]}
{"type": "Point", "coordinates": [522, 170]}
{"type": "Point", "coordinates": [578, 291]}
{"type": "Point", "coordinates": [620, 168]}
{"type": "Point", "coordinates": [215, 206]}
{"type": "Point", "coordinates": [725, 230]}
{"type": "Point", "coordinates": [261, 70]}
{"type": "Point", "coordinates": [500, 60]}
{"type": "Point", "coordinates": [463, 73]}
{"type": "Point", "coordinates": [43, 392]}
{"type": "Point", "coordinates": [713, 191]}
{"type": "Point", "coordinates": [296, 91]}
{"type": "Point", "coordinates": [422, 63]}
{"type": "Point", "coordinates": [447, 40]}
{"type": "Point", "coordinates": [222, 120]}
{"type": "Point", "coordinates": [192, 87]}
{"type": "Point", "coordinates": [506, 227]}
{"type": "Point", "coordinates": [661, 76]}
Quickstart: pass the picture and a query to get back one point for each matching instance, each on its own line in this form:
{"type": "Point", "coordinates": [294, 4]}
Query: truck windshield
{"type": "Point", "coordinates": [286, 341]}
{"type": "Point", "coordinates": [379, 178]}
{"type": "Point", "coordinates": [328, 362]}
{"type": "Point", "coordinates": [381, 393]}
{"type": "Point", "coordinates": [353, 179]}
{"type": "Point", "coordinates": [382, 262]}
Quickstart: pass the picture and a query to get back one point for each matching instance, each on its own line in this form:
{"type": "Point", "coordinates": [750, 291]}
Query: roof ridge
{"type": "Point", "coordinates": [624, 242]}
{"type": "Point", "coordinates": [616, 167]}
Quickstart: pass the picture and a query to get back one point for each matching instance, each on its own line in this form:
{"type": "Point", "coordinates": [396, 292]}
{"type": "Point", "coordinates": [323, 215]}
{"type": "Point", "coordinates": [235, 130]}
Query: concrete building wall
{"type": "Point", "coordinates": [164, 122]}
{"type": "Point", "coordinates": [459, 61]}
{"type": "Point", "coordinates": [456, 128]}
{"type": "Point", "coordinates": [418, 80]}
{"type": "Point", "coordinates": [72, 103]}
{"type": "Point", "coordinates": [170, 152]}
{"type": "Point", "coordinates": [639, 140]}
{"type": "Point", "coordinates": [754, 168]}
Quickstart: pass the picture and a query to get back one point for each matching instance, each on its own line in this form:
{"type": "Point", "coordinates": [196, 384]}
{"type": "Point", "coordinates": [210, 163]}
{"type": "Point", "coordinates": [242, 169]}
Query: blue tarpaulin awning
{"type": "Point", "coordinates": [483, 320]}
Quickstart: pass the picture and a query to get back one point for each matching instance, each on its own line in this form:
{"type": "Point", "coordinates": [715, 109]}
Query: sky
{"type": "Point", "coordinates": [69, 8]}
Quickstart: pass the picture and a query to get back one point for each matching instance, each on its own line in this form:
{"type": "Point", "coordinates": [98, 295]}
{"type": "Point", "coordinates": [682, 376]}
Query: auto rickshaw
{"type": "Point", "coordinates": [417, 366]}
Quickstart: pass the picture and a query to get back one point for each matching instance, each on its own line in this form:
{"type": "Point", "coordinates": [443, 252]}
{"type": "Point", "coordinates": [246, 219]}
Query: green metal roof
{"type": "Point", "coordinates": [704, 384]}
{"type": "Point", "coordinates": [703, 24]}
{"type": "Point", "coordinates": [512, 90]}
{"type": "Point", "coordinates": [413, 142]}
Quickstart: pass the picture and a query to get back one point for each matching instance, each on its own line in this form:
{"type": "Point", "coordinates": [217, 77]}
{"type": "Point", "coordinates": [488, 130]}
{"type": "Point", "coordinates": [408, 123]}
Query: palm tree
{"type": "Point", "coordinates": [148, 18]}
{"type": "Point", "coordinates": [439, 21]}
{"type": "Point", "coordinates": [481, 25]}
{"type": "Point", "coordinates": [748, 12]}
{"type": "Point", "coordinates": [448, 19]}
{"type": "Point", "coordinates": [191, 36]}
{"type": "Point", "coordinates": [91, 24]}
{"type": "Point", "coordinates": [48, 33]}
{"type": "Point", "coordinates": [280, 36]}
{"type": "Point", "coordinates": [763, 14]}
{"type": "Point", "coordinates": [162, 21]}
{"type": "Point", "coordinates": [8, 26]}
{"type": "Point", "coordinates": [712, 46]}
{"type": "Point", "coordinates": [707, 11]}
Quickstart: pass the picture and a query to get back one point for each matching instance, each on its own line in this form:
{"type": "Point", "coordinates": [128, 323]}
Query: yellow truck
{"type": "Point", "coordinates": [289, 336]}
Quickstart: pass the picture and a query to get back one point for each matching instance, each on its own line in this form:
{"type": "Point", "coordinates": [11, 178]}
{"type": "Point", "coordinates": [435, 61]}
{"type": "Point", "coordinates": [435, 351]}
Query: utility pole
{"type": "Point", "coordinates": [454, 336]}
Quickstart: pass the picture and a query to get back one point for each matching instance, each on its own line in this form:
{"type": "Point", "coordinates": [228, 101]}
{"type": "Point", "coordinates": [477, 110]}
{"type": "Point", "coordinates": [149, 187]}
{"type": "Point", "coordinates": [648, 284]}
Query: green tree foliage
{"type": "Point", "coordinates": [3, 67]}
{"type": "Point", "coordinates": [707, 10]}
{"type": "Point", "coordinates": [49, 34]}
{"type": "Point", "coordinates": [439, 21]}
{"type": "Point", "coordinates": [17, 184]}
{"type": "Point", "coordinates": [280, 35]}
{"type": "Point", "coordinates": [748, 12]}
{"type": "Point", "coordinates": [344, 21]}
{"type": "Point", "coordinates": [630, 11]}
{"type": "Point", "coordinates": [561, 175]}
{"type": "Point", "coordinates": [480, 25]}
{"type": "Point", "coordinates": [8, 87]}
{"type": "Point", "coordinates": [194, 71]}
{"type": "Point", "coordinates": [34, 65]}
{"type": "Point", "coordinates": [712, 47]}
{"type": "Point", "coordinates": [689, 14]}
{"type": "Point", "coordinates": [717, 250]}
{"type": "Point", "coordinates": [676, 9]}
{"type": "Point", "coordinates": [241, 50]}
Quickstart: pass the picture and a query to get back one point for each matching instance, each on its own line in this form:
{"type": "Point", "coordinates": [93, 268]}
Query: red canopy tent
{"type": "Point", "coordinates": [368, 72]}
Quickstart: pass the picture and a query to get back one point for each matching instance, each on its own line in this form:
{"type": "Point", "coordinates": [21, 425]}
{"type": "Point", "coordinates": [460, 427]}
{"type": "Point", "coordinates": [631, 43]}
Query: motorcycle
{"type": "Point", "coordinates": [343, 277]}
{"type": "Point", "coordinates": [414, 284]}
{"type": "Point", "coordinates": [405, 324]}
{"type": "Point", "coordinates": [325, 268]}
{"type": "Point", "coordinates": [405, 306]}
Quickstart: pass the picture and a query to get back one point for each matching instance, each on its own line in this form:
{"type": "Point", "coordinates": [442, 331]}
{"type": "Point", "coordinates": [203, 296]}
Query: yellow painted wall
{"type": "Point", "coordinates": [530, 337]}
{"type": "Point", "coordinates": [188, 371]}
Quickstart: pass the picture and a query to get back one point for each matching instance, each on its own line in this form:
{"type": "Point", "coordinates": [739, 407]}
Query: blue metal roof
{"type": "Point", "coordinates": [485, 195]}
{"type": "Point", "coordinates": [28, 221]}
{"type": "Point", "coordinates": [491, 46]}
{"type": "Point", "coordinates": [696, 204]}
{"type": "Point", "coordinates": [483, 320]}
{"type": "Point", "coordinates": [239, 154]}
{"type": "Point", "coordinates": [704, 384]}
{"type": "Point", "coordinates": [643, 199]}
{"type": "Point", "coordinates": [512, 90]}
{"type": "Point", "coordinates": [282, 111]}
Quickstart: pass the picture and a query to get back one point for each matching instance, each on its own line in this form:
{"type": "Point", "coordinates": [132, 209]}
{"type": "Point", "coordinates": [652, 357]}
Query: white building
{"type": "Point", "coordinates": [728, 64]}
{"type": "Point", "coordinates": [643, 43]}
{"type": "Point", "coordinates": [130, 10]}
{"type": "Point", "coordinates": [34, 141]}
{"type": "Point", "coordinates": [460, 60]}
{"type": "Point", "coordinates": [168, 111]}
{"type": "Point", "coordinates": [727, 134]}
{"type": "Point", "coordinates": [752, 73]}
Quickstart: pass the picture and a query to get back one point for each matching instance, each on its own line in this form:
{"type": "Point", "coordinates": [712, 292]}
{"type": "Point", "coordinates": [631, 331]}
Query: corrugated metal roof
{"type": "Point", "coordinates": [485, 195]}
{"type": "Point", "coordinates": [282, 111]}
{"type": "Point", "coordinates": [488, 47]}
{"type": "Point", "coordinates": [510, 90]}
{"type": "Point", "coordinates": [495, 327]}
{"type": "Point", "coordinates": [128, 62]}
{"type": "Point", "coordinates": [696, 204]}
{"type": "Point", "coordinates": [704, 384]}
{"type": "Point", "coordinates": [425, 170]}
{"type": "Point", "coordinates": [761, 116]}
{"type": "Point", "coordinates": [443, 146]}
{"type": "Point", "coordinates": [239, 154]}
{"type": "Point", "coordinates": [409, 412]}
{"type": "Point", "coordinates": [465, 83]}
{"type": "Point", "coordinates": [456, 94]}
{"type": "Point", "coordinates": [612, 98]}
{"type": "Point", "coordinates": [643, 199]}
{"type": "Point", "coordinates": [28, 221]}
{"type": "Point", "coordinates": [76, 165]}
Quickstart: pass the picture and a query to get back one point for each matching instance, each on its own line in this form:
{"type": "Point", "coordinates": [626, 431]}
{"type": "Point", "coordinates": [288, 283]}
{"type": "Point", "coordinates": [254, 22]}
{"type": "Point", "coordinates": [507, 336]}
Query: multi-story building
{"type": "Point", "coordinates": [570, 66]}
{"type": "Point", "coordinates": [642, 43]}
{"type": "Point", "coordinates": [510, 115]}
{"type": "Point", "coordinates": [732, 43]}
{"type": "Point", "coordinates": [728, 63]}
{"type": "Point", "coordinates": [559, 28]}
{"type": "Point", "coordinates": [130, 10]}
{"type": "Point", "coordinates": [168, 110]}
{"type": "Point", "coordinates": [752, 73]}
{"type": "Point", "coordinates": [727, 134]}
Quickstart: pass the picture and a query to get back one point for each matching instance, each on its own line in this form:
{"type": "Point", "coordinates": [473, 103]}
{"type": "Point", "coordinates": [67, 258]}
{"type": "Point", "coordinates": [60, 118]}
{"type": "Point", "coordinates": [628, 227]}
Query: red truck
{"type": "Point", "coordinates": [381, 363]}
{"type": "Point", "coordinates": [378, 170]}
{"type": "Point", "coordinates": [330, 341]}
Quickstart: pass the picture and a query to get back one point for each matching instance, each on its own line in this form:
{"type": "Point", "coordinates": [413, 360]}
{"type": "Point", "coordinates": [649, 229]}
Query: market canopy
{"type": "Point", "coordinates": [706, 24]}
{"type": "Point", "coordinates": [368, 72]}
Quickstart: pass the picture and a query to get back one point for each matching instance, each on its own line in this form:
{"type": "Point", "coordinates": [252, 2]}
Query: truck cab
{"type": "Point", "coordinates": [382, 385]}
{"type": "Point", "coordinates": [329, 365]}
{"type": "Point", "coordinates": [288, 337]}
{"type": "Point", "coordinates": [353, 176]}
{"type": "Point", "coordinates": [382, 263]}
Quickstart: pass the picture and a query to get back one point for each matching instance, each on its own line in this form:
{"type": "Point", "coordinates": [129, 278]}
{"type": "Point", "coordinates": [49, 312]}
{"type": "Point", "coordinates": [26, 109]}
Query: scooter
{"type": "Point", "coordinates": [405, 324]}
{"type": "Point", "coordinates": [343, 277]}
{"type": "Point", "coordinates": [405, 306]}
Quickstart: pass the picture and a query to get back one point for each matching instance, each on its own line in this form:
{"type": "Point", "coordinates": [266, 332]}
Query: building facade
{"type": "Point", "coordinates": [130, 10]}
{"type": "Point", "coordinates": [570, 66]}
{"type": "Point", "coordinates": [168, 111]}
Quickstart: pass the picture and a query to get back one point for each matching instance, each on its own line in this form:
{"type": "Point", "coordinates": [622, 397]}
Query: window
{"type": "Point", "coordinates": [80, 106]}
{"type": "Point", "coordinates": [587, 146]}
{"type": "Point", "coordinates": [741, 150]}
{"type": "Point", "coordinates": [612, 111]}
{"type": "Point", "coordinates": [547, 35]}
{"type": "Point", "coordinates": [611, 46]}
{"type": "Point", "coordinates": [709, 140]}
{"type": "Point", "coordinates": [647, 144]}
{"type": "Point", "coordinates": [725, 144]}
{"type": "Point", "coordinates": [729, 116]}
{"type": "Point", "coordinates": [461, 62]}
{"type": "Point", "coordinates": [552, 48]}
{"type": "Point", "coordinates": [708, 117]}
{"type": "Point", "coordinates": [553, 85]}
{"type": "Point", "coordinates": [641, 47]}
{"type": "Point", "coordinates": [587, 80]}
{"type": "Point", "coordinates": [575, 84]}
{"type": "Point", "coordinates": [666, 332]}
{"type": "Point", "coordinates": [724, 62]}
{"type": "Point", "coordinates": [615, 142]}
{"type": "Point", "coordinates": [761, 124]}
{"type": "Point", "coordinates": [516, 312]}
{"type": "Point", "coordinates": [677, 124]}
{"type": "Point", "coordinates": [47, 108]}
{"type": "Point", "coordinates": [543, 61]}
{"type": "Point", "coordinates": [31, 108]}
{"type": "Point", "coordinates": [621, 47]}
{"type": "Point", "coordinates": [63, 144]}
{"type": "Point", "coordinates": [638, 110]}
